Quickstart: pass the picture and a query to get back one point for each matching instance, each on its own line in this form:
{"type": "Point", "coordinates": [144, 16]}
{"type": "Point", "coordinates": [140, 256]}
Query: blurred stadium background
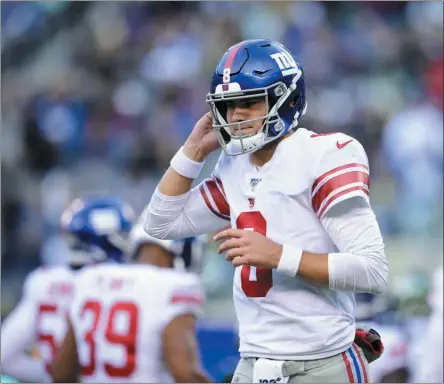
{"type": "Point", "coordinates": [98, 96]}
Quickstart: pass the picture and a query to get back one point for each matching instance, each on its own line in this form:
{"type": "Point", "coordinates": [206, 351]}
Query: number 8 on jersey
{"type": "Point", "coordinates": [255, 282]}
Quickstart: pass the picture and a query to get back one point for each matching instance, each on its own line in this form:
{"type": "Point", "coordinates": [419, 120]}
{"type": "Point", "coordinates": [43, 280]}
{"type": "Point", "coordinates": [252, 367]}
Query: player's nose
{"type": "Point", "coordinates": [240, 114]}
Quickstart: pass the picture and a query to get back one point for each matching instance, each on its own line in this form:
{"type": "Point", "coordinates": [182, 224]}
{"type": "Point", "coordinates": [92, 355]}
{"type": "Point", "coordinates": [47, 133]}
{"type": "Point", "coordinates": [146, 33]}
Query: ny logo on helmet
{"type": "Point", "coordinates": [286, 63]}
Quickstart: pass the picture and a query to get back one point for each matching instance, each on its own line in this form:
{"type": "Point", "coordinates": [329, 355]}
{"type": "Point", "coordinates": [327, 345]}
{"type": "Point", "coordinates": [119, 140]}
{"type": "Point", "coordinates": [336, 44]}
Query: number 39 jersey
{"type": "Point", "coordinates": [286, 200]}
{"type": "Point", "coordinates": [119, 314]}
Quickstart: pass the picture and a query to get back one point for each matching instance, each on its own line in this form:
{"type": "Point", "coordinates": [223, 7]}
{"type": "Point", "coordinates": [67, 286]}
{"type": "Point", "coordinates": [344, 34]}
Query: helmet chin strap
{"type": "Point", "coordinates": [245, 145]}
{"type": "Point", "coordinates": [242, 145]}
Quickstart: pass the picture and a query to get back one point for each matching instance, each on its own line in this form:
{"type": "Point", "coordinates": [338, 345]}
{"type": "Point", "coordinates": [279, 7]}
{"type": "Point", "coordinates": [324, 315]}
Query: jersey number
{"type": "Point", "coordinates": [255, 282]}
{"type": "Point", "coordinates": [46, 337]}
{"type": "Point", "coordinates": [127, 338]}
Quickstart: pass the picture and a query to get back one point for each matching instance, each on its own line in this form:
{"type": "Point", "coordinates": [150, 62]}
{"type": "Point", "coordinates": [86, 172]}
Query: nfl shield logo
{"type": "Point", "coordinates": [254, 183]}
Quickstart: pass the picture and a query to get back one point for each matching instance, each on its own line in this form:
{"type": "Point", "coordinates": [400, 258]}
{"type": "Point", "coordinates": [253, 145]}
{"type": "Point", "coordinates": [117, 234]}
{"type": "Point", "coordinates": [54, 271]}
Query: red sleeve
{"type": "Point", "coordinates": [213, 194]}
{"type": "Point", "coordinates": [338, 184]}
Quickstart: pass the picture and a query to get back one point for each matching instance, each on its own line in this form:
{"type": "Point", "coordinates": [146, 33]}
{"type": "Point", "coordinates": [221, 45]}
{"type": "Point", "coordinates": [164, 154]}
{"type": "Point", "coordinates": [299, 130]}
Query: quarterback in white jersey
{"type": "Point", "coordinates": [38, 319]}
{"type": "Point", "coordinates": [303, 235]}
{"type": "Point", "coordinates": [134, 323]}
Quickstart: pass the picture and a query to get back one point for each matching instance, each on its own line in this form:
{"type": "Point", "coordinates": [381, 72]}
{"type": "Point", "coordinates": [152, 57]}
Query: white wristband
{"type": "Point", "coordinates": [290, 260]}
{"type": "Point", "coordinates": [184, 166]}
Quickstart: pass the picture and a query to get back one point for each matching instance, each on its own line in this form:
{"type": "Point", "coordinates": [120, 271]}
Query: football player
{"type": "Point", "coordinates": [135, 323]}
{"type": "Point", "coordinates": [40, 316]}
{"type": "Point", "coordinates": [303, 235]}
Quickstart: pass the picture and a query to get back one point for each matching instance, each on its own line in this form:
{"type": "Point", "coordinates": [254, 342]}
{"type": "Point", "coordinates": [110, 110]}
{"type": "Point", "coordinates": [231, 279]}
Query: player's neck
{"type": "Point", "coordinates": [264, 155]}
{"type": "Point", "coordinates": [156, 260]}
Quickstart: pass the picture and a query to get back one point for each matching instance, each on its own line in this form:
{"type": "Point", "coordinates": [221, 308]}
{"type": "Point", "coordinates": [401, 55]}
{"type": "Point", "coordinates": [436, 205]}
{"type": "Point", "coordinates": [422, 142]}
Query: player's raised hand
{"type": "Point", "coordinates": [249, 248]}
{"type": "Point", "coordinates": [202, 140]}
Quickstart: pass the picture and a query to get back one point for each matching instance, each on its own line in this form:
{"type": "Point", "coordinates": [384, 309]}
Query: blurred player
{"type": "Point", "coordinates": [304, 237]}
{"type": "Point", "coordinates": [40, 316]}
{"type": "Point", "coordinates": [392, 366]}
{"type": "Point", "coordinates": [135, 323]}
{"type": "Point", "coordinates": [430, 364]}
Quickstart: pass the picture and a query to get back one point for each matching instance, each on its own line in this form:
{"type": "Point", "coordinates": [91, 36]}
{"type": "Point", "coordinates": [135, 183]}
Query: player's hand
{"type": "Point", "coordinates": [202, 140]}
{"type": "Point", "coordinates": [249, 248]}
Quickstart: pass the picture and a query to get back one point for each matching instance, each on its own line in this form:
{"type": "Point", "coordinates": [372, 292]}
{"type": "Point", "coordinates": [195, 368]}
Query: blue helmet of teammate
{"type": "Point", "coordinates": [97, 228]}
{"type": "Point", "coordinates": [250, 70]}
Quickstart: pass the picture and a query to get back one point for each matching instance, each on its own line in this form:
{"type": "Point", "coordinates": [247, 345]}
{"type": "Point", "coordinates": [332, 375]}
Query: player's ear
{"type": "Point", "coordinates": [66, 367]}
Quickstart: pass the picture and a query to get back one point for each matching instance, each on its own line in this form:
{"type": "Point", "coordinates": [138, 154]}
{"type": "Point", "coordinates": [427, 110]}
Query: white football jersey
{"type": "Point", "coordinates": [52, 289]}
{"type": "Point", "coordinates": [286, 199]}
{"type": "Point", "coordinates": [395, 351]}
{"type": "Point", "coordinates": [42, 312]}
{"type": "Point", "coordinates": [118, 315]}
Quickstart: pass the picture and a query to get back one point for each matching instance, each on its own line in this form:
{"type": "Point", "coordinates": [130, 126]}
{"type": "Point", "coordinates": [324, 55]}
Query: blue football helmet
{"type": "Point", "coordinates": [97, 229]}
{"type": "Point", "coordinates": [188, 254]}
{"type": "Point", "coordinates": [248, 70]}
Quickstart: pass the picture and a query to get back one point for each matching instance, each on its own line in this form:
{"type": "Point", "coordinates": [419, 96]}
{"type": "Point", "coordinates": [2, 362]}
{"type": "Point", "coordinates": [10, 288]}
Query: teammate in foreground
{"type": "Point", "coordinates": [40, 316]}
{"type": "Point", "coordinates": [304, 237]}
{"type": "Point", "coordinates": [135, 323]}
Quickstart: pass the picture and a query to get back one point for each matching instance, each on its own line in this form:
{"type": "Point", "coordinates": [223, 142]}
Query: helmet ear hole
{"type": "Point", "coordinates": [296, 99]}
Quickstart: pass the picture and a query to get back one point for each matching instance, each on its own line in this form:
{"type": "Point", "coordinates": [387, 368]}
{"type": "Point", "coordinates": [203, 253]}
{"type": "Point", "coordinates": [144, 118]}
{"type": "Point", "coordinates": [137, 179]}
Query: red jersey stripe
{"type": "Point", "coordinates": [340, 168]}
{"type": "Point", "coordinates": [208, 203]}
{"type": "Point", "coordinates": [338, 195]}
{"type": "Point", "coordinates": [186, 299]}
{"type": "Point", "coordinates": [337, 182]}
{"type": "Point", "coordinates": [218, 197]}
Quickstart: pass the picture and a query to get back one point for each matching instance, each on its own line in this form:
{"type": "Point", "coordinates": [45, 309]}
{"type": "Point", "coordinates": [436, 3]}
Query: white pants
{"type": "Point", "coordinates": [350, 366]}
